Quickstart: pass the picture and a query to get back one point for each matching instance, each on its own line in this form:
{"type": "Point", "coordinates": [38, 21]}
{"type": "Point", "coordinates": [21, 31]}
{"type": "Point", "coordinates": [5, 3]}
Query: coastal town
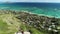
{"type": "Point", "coordinates": [49, 24]}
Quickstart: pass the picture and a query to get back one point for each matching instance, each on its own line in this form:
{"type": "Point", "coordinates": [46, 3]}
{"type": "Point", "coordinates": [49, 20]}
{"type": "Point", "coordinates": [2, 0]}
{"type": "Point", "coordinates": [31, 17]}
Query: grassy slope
{"type": "Point", "coordinates": [3, 27]}
{"type": "Point", "coordinates": [8, 24]}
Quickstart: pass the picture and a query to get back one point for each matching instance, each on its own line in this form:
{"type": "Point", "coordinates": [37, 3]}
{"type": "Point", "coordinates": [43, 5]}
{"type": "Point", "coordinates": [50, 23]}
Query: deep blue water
{"type": "Point", "coordinates": [40, 5]}
{"type": "Point", "coordinates": [50, 9]}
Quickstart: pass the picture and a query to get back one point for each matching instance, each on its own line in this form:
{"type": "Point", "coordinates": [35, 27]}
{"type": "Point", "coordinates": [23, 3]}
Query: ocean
{"type": "Point", "coordinates": [48, 9]}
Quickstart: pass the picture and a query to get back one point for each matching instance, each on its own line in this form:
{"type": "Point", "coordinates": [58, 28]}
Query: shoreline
{"type": "Point", "coordinates": [40, 14]}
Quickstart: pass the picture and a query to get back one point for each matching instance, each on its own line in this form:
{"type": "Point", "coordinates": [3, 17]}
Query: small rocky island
{"type": "Point", "coordinates": [35, 24]}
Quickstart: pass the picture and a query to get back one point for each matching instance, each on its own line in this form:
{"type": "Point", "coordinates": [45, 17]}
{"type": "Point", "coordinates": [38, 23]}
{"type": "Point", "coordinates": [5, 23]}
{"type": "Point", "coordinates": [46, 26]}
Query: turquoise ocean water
{"type": "Point", "coordinates": [47, 9]}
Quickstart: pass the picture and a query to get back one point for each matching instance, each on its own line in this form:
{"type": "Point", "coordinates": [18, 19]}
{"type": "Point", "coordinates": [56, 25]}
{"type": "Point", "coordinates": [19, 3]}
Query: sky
{"type": "Point", "coordinates": [58, 1]}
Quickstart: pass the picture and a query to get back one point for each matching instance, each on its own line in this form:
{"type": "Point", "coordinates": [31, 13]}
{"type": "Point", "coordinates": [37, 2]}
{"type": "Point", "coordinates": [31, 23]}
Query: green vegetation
{"type": "Point", "coordinates": [35, 31]}
{"type": "Point", "coordinates": [8, 24]}
{"type": "Point", "coordinates": [23, 27]}
{"type": "Point", "coordinates": [3, 27]}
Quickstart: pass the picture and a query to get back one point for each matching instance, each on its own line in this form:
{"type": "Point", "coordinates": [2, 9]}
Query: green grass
{"type": "Point", "coordinates": [35, 31]}
{"type": "Point", "coordinates": [3, 27]}
{"type": "Point", "coordinates": [7, 27]}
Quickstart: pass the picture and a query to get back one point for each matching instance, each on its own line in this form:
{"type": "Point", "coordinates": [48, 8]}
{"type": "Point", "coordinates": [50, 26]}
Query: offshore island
{"type": "Point", "coordinates": [12, 22]}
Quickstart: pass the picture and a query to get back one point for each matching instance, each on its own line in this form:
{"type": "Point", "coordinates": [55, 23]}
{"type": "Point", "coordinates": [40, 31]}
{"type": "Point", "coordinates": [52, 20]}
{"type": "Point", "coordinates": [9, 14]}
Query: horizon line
{"type": "Point", "coordinates": [29, 2]}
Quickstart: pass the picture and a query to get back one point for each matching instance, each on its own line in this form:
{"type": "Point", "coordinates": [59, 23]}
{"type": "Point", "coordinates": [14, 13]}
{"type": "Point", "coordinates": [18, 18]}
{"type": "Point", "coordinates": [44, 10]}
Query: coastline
{"type": "Point", "coordinates": [39, 14]}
